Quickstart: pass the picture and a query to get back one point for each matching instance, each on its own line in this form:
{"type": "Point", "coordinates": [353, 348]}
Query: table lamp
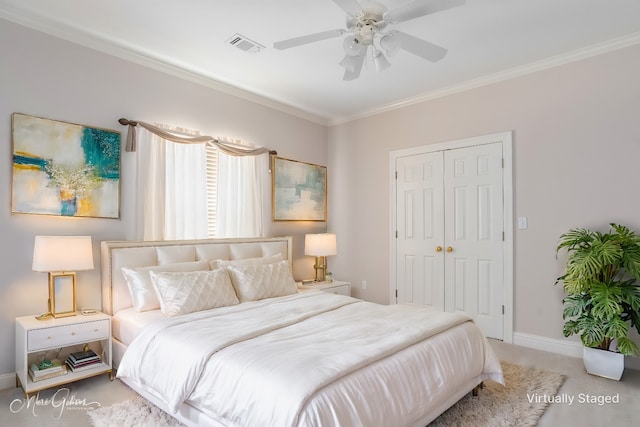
{"type": "Point", "coordinates": [320, 246]}
{"type": "Point", "coordinates": [61, 257]}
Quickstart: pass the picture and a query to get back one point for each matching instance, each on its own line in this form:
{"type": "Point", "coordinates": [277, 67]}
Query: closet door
{"type": "Point", "coordinates": [420, 231]}
{"type": "Point", "coordinates": [473, 199]}
{"type": "Point", "coordinates": [449, 233]}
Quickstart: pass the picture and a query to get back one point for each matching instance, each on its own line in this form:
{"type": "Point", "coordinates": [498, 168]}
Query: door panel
{"type": "Point", "coordinates": [473, 230]}
{"type": "Point", "coordinates": [420, 210]}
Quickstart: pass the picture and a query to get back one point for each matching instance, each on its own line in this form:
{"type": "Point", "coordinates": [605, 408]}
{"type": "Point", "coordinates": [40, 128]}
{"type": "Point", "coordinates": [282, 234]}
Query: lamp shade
{"type": "Point", "coordinates": [320, 244]}
{"type": "Point", "coordinates": [62, 253]}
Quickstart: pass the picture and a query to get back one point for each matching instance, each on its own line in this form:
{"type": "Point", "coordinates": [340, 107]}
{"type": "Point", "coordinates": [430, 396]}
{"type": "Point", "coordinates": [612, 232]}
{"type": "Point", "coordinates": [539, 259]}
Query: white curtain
{"type": "Point", "coordinates": [171, 189]}
{"type": "Point", "coordinates": [240, 197]}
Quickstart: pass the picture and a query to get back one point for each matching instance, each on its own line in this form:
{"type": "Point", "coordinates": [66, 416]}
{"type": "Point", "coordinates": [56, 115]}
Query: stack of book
{"type": "Point", "coordinates": [46, 370]}
{"type": "Point", "coordinates": [81, 360]}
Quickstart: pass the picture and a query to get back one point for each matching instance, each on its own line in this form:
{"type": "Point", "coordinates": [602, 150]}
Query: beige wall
{"type": "Point", "coordinates": [576, 132]}
{"type": "Point", "coordinates": [47, 77]}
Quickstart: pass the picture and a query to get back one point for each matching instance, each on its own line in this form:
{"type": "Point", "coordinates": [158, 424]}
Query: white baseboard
{"type": "Point", "coordinates": [7, 381]}
{"type": "Point", "coordinates": [567, 348]}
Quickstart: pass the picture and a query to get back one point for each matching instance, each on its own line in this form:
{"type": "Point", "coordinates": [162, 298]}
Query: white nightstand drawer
{"type": "Point", "coordinates": [340, 290]}
{"type": "Point", "coordinates": [335, 287]}
{"type": "Point", "coordinates": [59, 336]}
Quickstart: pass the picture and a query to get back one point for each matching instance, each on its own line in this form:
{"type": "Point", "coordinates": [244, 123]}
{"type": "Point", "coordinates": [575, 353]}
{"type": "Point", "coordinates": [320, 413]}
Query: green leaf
{"type": "Point", "coordinates": [574, 238]}
{"type": "Point", "coordinates": [628, 347]}
{"type": "Point", "coordinates": [574, 305]}
{"type": "Point", "coordinates": [593, 332]}
{"type": "Point", "coordinates": [617, 328]}
{"type": "Point", "coordinates": [570, 328]}
{"type": "Point", "coordinates": [606, 301]}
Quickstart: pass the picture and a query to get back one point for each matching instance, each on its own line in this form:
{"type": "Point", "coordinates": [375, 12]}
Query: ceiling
{"type": "Point", "coordinates": [486, 40]}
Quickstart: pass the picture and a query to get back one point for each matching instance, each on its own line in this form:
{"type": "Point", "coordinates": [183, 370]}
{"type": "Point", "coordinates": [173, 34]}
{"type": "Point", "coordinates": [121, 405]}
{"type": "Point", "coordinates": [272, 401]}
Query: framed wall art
{"type": "Point", "coordinates": [299, 191]}
{"type": "Point", "coordinates": [64, 169]}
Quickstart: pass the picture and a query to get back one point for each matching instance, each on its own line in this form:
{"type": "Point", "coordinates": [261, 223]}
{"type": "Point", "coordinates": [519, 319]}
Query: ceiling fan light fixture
{"type": "Point", "coordinates": [366, 34]}
{"type": "Point", "coordinates": [352, 21]}
{"type": "Point", "coordinates": [348, 63]}
{"type": "Point", "coordinates": [390, 43]}
{"type": "Point", "coordinates": [366, 25]}
{"type": "Point", "coordinates": [380, 60]}
{"type": "Point", "coordinates": [352, 46]}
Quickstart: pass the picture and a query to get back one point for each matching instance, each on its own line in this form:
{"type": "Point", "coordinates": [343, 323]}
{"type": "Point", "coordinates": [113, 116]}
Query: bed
{"type": "Point", "coordinates": [269, 355]}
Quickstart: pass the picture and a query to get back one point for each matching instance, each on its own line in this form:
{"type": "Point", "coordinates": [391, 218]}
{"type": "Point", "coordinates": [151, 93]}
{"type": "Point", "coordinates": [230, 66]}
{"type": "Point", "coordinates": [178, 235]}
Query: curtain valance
{"type": "Point", "coordinates": [226, 147]}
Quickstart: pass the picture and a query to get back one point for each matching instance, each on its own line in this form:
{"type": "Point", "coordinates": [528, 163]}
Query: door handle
{"type": "Point", "coordinates": [449, 249]}
{"type": "Point", "coordinates": [438, 248]}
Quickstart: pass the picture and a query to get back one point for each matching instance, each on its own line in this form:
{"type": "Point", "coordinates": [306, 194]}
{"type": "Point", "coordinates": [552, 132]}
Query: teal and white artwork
{"type": "Point", "coordinates": [299, 191]}
{"type": "Point", "coordinates": [64, 169]}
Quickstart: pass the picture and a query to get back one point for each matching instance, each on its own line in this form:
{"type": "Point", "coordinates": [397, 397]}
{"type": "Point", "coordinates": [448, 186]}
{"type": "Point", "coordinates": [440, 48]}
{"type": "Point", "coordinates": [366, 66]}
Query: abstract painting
{"type": "Point", "coordinates": [64, 169]}
{"type": "Point", "coordinates": [299, 191]}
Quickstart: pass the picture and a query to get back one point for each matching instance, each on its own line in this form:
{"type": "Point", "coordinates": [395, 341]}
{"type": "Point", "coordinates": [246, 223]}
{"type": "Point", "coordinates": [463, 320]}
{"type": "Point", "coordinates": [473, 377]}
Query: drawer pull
{"type": "Point", "coordinates": [48, 338]}
{"type": "Point", "coordinates": [73, 333]}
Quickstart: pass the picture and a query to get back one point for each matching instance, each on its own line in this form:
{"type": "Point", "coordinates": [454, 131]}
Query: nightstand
{"type": "Point", "coordinates": [57, 338]}
{"type": "Point", "coordinates": [335, 287]}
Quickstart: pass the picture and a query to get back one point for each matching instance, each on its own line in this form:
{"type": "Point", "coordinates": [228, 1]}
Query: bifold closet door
{"type": "Point", "coordinates": [449, 212]}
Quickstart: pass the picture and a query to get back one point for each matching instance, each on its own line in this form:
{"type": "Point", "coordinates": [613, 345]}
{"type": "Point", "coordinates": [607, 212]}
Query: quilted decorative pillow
{"type": "Point", "coordinates": [188, 292]}
{"type": "Point", "coordinates": [220, 263]}
{"type": "Point", "coordinates": [143, 296]}
{"type": "Point", "coordinates": [255, 282]}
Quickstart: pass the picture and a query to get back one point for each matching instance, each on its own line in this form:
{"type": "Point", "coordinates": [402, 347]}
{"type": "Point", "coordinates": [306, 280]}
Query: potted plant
{"type": "Point", "coordinates": [602, 296]}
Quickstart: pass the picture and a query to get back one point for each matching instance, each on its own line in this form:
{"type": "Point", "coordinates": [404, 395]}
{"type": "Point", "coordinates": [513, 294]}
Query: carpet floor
{"type": "Point", "coordinates": [521, 402]}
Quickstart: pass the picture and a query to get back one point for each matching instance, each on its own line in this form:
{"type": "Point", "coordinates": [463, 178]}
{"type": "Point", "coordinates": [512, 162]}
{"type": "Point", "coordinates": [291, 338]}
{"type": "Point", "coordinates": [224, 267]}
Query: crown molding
{"type": "Point", "coordinates": [114, 47]}
{"type": "Point", "coordinates": [551, 62]}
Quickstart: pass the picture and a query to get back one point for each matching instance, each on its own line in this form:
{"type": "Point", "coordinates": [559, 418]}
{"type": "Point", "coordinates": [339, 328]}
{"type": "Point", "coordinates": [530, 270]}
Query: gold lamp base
{"type": "Point", "coordinates": [44, 316]}
{"type": "Point", "coordinates": [321, 268]}
{"type": "Point", "coordinates": [47, 315]}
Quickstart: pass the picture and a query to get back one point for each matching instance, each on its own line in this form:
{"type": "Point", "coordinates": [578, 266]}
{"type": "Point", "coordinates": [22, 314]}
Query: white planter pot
{"type": "Point", "coordinates": [603, 363]}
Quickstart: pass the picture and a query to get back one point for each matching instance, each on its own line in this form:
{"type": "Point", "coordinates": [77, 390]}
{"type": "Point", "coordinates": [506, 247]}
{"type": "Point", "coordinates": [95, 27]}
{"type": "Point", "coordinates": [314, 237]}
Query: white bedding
{"type": "Point", "coordinates": [310, 359]}
{"type": "Point", "coordinates": [127, 324]}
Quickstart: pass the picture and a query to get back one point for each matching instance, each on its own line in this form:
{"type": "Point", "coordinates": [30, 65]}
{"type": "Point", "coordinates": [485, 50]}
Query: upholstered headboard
{"type": "Point", "coordinates": [118, 254]}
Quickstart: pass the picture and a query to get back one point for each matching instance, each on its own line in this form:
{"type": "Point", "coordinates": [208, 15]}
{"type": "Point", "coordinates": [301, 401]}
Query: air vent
{"type": "Point", "coordinates": [245, 44]}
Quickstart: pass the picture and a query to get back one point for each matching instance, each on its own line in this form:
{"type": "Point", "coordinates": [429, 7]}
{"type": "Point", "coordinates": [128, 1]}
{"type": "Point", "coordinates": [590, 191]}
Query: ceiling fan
{"type": "Point", "coordinates": [368, 33]}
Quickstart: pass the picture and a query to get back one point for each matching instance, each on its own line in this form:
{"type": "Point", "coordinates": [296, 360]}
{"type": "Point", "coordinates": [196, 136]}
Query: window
{"type": "Point", "coordinates": [194, 191]}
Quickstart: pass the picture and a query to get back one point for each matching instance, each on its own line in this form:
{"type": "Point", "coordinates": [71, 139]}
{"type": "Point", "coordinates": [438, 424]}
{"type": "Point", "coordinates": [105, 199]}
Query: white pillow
{"type": "Point", "coordinates": [255, 282]}
{"type": "Point", "coordinates": [220, 263]}
{"type": "Point", "coordinates": [143, 296]}
{"type": "Point", "coordinates": [188, 292]}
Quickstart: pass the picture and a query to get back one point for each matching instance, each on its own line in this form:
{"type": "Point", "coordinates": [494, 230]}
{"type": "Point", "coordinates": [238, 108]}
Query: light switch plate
{"type": "Point", "coordinates": [522, 223]}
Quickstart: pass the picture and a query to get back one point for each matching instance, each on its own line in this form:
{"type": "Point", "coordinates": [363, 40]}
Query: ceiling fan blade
{"type": "Point", "coordinates": [358, 61]}
{"type": "Point", "coordinates": [310, 38]}
{"type": "Point", "coordinates": [351, 7]}
{"type": "Point", "coordinates": [417, 8]}
{"type": "Point", "coordinates": [422, 48]}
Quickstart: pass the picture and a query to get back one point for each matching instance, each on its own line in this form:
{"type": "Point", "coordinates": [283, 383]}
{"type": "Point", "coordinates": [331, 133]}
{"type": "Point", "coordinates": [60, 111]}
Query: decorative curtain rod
{"type": "Point", "coordinates": [226, 147]}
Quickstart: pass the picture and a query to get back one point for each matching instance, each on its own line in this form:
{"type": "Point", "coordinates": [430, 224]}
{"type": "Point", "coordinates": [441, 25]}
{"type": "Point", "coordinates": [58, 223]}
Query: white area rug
{"type": "Point", "coordinates": [494, 406]}
{"type": "Point", "coordinates": [132, 413]}
{"type": "Point", "coordinates": [512, 405]}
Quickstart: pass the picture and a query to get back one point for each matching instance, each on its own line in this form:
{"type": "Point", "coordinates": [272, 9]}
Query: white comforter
{"type": "Point", "coordinates": [282, 361]}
